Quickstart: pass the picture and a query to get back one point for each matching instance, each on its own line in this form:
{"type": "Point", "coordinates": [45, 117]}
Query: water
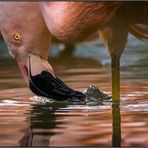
{"type": "Point", "coordinates": [25, 122]}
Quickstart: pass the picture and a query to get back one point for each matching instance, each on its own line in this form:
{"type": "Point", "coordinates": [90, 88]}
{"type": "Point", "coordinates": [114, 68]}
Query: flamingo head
{"type": "Point", "coordinates": [27, 37]}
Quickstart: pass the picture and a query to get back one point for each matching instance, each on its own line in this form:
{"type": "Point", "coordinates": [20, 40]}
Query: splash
{"type": "Point", "coordinates": [93, 96]}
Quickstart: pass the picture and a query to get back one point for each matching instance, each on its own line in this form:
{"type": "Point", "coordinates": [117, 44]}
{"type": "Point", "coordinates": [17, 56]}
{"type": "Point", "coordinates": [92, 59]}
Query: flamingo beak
{"type": "Point", "coordinates": [43, 82]}
{"type": "Point", "coordinates": [23, 68]}
{"type": "Point", "coordinates": [33, 65]}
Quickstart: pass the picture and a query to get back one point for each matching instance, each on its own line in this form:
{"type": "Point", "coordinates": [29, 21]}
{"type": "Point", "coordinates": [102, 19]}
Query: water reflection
{"type": "Point", "coordinates": [42, 122]}
{"type": "Point", "coordinates": [116, 127]}
{"type": "Point", "coordinates": [14, 122]}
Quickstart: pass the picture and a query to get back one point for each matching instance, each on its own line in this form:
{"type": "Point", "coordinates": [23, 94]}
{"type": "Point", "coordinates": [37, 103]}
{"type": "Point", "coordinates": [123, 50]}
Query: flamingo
{"type": "Point", "coordinates": [27, 28]}
{"type": "Point", "coordinates": [74, 21]}
{"type": "Point", "coordinates": [27, 37]}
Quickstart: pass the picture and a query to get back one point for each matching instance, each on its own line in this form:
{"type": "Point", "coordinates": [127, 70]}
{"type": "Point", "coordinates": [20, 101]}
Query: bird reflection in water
{"type": "Point", "coordinates": [42, 123]}
{"type": "Point", "coordinates": [116, 126]}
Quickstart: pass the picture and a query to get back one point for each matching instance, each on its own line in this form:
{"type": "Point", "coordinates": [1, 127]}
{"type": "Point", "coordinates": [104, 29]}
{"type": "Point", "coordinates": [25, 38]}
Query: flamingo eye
{"type": "Point", "coordinates": [17, 37]}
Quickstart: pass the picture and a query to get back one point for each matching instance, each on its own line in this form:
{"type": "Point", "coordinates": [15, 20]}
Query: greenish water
{"type": "Point", "coordinates": [24, 122]}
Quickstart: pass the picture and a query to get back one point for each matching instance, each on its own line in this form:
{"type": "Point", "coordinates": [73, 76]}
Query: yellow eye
{"type": "Point", "coordinates": [17, 37]}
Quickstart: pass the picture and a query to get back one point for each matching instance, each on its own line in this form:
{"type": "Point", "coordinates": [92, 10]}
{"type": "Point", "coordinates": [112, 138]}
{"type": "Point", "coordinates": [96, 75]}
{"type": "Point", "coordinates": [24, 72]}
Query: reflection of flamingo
{"type": "Point", "coordinates": [25, 32]}
{"type": "Point", "coordinates": [42, 125]}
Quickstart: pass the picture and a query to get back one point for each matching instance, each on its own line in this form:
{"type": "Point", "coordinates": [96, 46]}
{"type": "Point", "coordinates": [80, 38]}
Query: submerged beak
{"type": "Point", "coordinates": [43, 82]}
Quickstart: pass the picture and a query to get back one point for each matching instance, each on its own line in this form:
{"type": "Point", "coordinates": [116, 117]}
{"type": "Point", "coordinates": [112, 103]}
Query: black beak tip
{"type": "Point", "coordinates": [46, 85]}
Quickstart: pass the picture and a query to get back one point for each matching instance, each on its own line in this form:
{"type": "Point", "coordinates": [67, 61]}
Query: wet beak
{"type": "Point", "coordinates": [43, 82]}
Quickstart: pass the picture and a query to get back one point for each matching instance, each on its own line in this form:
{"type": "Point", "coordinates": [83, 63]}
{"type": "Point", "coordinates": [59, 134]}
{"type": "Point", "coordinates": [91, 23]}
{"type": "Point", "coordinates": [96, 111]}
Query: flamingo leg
{"type": "Point", "coordinates": [114, 36]}
{"type": "Point", "coordinates": [115, 65]}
